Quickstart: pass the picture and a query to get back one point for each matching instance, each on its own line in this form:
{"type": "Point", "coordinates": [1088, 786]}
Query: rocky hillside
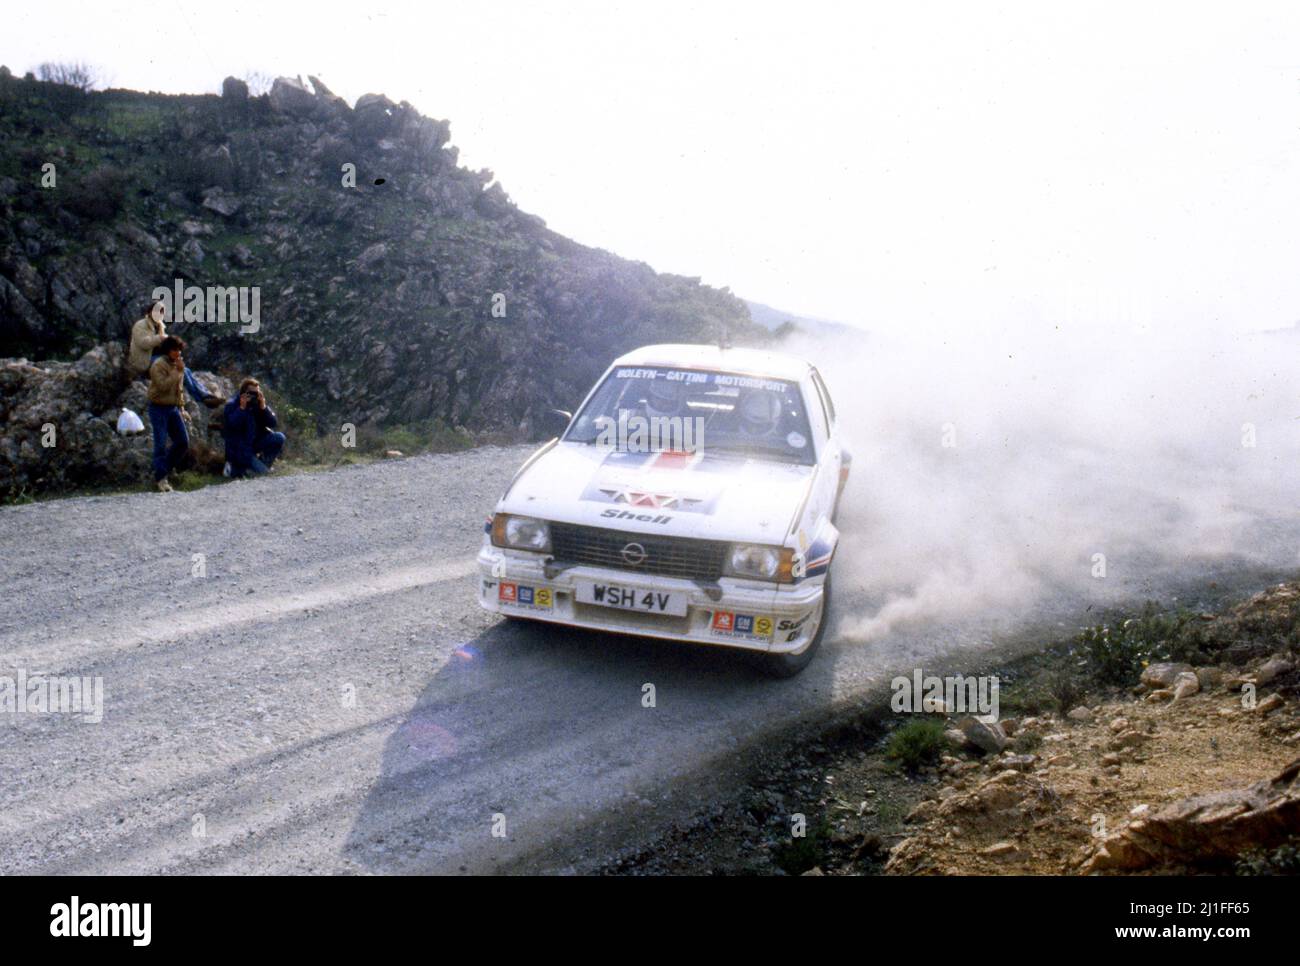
{"type": "Point", "coordinates": [395, 285]}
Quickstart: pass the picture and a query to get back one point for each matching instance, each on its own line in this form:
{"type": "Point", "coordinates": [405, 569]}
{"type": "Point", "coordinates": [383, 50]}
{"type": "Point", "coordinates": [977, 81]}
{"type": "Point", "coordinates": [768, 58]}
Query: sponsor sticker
{"type": "Point", "coordinates": [749, 627]}
{"type": "Point", "coordinates": [790, 628]}
{"type": "Point", "coordinates": [793, 624]}
{"type": "Point", "coordinates": [524, 596]}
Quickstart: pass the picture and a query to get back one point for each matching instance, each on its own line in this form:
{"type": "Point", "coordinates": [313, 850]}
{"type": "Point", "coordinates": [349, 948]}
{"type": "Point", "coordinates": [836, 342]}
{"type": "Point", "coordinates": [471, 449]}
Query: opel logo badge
{"type": "Point", "coordinates": [634, 554]}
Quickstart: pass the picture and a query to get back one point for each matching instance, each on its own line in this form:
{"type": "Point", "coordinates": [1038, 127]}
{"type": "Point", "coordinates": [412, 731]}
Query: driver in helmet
{"type": "Point", "coordinates": [664, 398]}
{"type": "Point", "coordinates": [759, 413]}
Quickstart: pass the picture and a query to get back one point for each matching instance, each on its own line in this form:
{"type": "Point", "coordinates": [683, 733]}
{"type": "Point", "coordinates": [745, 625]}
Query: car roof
{"type": "Point", "coordinates": [752, 362]}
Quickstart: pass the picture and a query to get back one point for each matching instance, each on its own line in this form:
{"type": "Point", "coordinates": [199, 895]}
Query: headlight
{"type": "Point", "coordinates": [759, 562]}
{"type": "Point", "coordinates": [521, 533]}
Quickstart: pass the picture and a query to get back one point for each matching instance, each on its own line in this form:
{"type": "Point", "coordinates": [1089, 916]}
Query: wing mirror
{"type": "Point", "coordinates": [555, 421]}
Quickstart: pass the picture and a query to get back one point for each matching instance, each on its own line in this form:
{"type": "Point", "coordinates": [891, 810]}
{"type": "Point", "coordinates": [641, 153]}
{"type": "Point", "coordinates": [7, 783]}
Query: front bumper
{"type": "Point", "coordinates": [748, 614]}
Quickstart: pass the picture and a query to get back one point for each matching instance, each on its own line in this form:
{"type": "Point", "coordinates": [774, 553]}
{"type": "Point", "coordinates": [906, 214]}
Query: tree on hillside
{"type": "Point", "coordinates": [78, 75]}
{"type": "Point", "coordinates": [258, 83]}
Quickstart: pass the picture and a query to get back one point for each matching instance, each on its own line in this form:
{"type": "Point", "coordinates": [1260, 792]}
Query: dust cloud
{"type": "Point", "coordinates": [990, 471]}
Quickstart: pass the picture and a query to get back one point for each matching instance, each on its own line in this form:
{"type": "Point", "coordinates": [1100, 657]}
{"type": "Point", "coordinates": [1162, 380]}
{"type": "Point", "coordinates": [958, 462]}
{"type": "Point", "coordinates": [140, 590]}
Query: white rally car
{"type": "Point", "coordinates": [692, 497]}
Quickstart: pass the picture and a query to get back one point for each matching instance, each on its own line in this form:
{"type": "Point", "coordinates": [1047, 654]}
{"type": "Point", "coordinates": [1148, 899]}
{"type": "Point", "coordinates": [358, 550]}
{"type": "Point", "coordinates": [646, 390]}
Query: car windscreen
{"type": "Point", "coordinates": [722, 413]}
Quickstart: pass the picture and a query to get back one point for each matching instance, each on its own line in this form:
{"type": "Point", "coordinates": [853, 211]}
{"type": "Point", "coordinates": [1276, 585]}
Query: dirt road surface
{"type": "Point", "coordinates": [318, 692]}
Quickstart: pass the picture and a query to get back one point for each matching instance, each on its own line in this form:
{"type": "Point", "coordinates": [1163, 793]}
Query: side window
{"type": "Point", "coordinates": [827, 405]}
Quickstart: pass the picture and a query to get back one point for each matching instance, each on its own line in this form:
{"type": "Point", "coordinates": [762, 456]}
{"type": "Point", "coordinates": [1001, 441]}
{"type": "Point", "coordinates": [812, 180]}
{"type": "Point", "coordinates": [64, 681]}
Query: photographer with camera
{"type": "Point", "coordinates": [252, 442]}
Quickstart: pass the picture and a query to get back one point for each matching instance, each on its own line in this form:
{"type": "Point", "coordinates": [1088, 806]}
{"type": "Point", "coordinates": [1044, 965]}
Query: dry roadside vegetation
{"type": "Point", "coordinates": [1154, 744]}
{"type": "Point", "coordinates": [1193, 768]}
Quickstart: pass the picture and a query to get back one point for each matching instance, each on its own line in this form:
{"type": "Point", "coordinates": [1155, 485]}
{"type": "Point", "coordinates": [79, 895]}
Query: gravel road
{"type": "Point", "coordinates": [319, 692]}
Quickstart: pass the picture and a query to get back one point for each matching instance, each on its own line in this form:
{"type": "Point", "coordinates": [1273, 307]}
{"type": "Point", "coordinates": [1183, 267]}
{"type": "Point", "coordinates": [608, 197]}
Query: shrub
{"type": "Point", "coordinates": [99, 196]}
{"type": "Point", "coordinates": [798, 855]}
{"type": "Point", "coordinates": [1065, 689]}
{"type": "Point", "coordinates": [916, 743]}
{"type": "Point", "coordinates": [1117, 653]}
{"type": "Point", "coordinates": [1281, 860]}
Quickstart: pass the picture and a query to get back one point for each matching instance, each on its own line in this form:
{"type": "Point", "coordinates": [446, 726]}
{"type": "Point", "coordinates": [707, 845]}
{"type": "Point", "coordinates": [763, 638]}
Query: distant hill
{"type": "Point", "coordinates": [395, 286]}
{"type": "Point", "coordinates": [775, 319]}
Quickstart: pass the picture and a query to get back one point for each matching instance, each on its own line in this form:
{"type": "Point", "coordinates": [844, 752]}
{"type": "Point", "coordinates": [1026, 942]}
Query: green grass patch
{"type": "Point", "coordinates": [803, 852]}
{"type": "Point", "coordinates": [916, 743]}
{"type": "Point", "coordinates": [191, 480]}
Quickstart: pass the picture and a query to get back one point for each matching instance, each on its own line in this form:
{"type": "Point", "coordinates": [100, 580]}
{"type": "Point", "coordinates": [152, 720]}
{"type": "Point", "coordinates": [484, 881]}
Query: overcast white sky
{"type": "Point", "coordinates": [920, 165]}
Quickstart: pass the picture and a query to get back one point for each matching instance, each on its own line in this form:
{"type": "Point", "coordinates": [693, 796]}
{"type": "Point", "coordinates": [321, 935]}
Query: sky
{"type": "Point", "coordinates": [911, 167]}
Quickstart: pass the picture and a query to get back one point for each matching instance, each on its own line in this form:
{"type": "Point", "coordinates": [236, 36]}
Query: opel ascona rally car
{"type": "Point", "coordinates": [726, 538]}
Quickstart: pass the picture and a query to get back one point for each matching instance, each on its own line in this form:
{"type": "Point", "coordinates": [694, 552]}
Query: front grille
{"type": "Point", "coordinates": [665, 556]}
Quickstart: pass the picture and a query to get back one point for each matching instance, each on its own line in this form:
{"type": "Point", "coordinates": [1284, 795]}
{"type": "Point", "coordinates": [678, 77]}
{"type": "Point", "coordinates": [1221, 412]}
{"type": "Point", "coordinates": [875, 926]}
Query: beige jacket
{"type": "Point", "coordinates": [165, 383]}
{"type": "Point", "coordinates": [146, 334]}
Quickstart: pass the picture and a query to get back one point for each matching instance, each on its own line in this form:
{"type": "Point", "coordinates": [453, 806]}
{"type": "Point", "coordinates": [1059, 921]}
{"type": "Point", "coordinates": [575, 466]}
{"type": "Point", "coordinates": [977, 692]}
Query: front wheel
{"type": "Point", "coordinates": [788, 665]}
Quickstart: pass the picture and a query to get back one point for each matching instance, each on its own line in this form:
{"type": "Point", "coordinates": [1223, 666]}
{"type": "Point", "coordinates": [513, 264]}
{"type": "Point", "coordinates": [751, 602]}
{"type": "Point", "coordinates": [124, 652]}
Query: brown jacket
{"type": "Point", "coordinates": [146, 334]}
{"type": "Point", "coordinates": [165, 383]}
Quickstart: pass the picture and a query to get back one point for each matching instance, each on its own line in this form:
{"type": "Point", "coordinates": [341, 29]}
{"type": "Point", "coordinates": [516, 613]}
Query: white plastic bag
{"type": "Point", "coordinates": [129, 422]}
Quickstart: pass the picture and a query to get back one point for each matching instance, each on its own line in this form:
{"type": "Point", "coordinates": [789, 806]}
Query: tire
{"type": "Point", "coordinates": [788, 665]}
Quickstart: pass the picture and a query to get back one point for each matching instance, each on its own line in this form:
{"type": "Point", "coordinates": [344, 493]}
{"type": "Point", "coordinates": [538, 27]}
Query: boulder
{"type": "Point", "coordinates": [1208, 677]}
{"type": "Point", "coordinates": [1185, 685]}
{"type": "Point", "coordinates": [425, 135]}
{"type": "Point", "coordinates": [494, 202]}
{"type": "Point", "coordinates": [1269, 704]}
{"type": "Point", "coordinates": [222, 202]}
{"type": "Point", "coordinates": [74, 407]}
{"type": "Point", "coordinates": [1272, 669]}
{"type": "Point", "coordinates": [193, 251]}
{"type": "Point", "coordinates": [290, 96]}
{"type": "Point", "coordinates": [327, 102]}
{"type": "Point", "coordinates": [1205, 830]}
{"type": "Point", "coordinates": [986, 736]}
{"type": "Point", "coordinates": [319, 87]}
{"type": "Point", "coordinates": [376, 117]}
{"type": "Point", "coordinates": [216, 168]}
{"type": "Point", "coordinates": [1164, 674]}
{"type": "Point", "coordinates": [234, 90]}
{"type": "Point", "coordinates": [956, 739]}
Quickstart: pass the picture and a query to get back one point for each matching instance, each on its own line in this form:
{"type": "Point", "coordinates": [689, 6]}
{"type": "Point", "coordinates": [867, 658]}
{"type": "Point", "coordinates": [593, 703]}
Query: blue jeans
{"type": "Point", "coordinates": [166, 422]}
{"type": "Point", "coordinates": [265, 450]}
{"type": "Point", "coordinates": [255, 467]}
{"type": "Point", "coordinates": [192, 386]}
{"type": "Point", "coordinates": [268, 447]}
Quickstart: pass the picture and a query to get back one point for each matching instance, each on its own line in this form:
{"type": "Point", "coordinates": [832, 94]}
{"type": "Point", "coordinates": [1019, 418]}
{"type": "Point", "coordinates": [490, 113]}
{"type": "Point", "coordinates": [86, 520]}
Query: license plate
{"type": "Point", "coordinates": [632, 598]}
